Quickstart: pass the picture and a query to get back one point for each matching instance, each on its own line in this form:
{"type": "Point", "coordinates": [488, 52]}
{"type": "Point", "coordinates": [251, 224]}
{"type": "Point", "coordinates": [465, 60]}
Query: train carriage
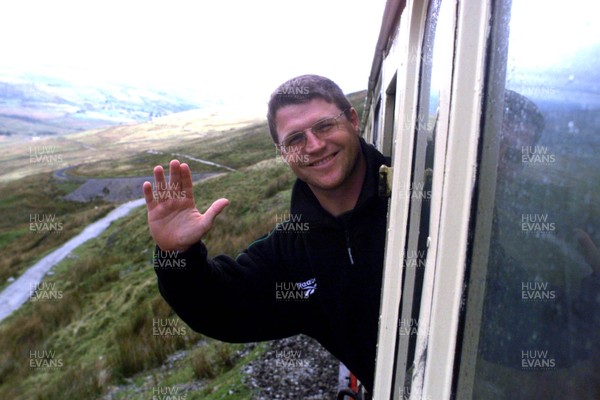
{"type": "Point", "coordinates": [490, 113]}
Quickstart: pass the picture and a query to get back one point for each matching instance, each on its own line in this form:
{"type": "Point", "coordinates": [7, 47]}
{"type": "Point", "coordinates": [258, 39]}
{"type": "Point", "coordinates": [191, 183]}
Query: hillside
{"type": "Point", "coordinates": [124, 150]}
{"type": "Point", "coordinates": [39, 104]}
{"type": "Point", "coordinates": [98, 327]}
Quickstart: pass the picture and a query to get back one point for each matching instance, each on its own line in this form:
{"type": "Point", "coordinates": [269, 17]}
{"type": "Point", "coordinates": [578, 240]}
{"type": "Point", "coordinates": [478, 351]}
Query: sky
{"type": "Point", "coordinates": [556, 34]}
{"type": "Point", "coordinates": [232, 49]}
{"type": "Point", "coordinates": [556, 54]}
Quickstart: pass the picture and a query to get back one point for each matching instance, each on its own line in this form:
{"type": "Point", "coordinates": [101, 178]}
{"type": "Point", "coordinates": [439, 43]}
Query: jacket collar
{"type": "Point", "coordinates": [305, 203]}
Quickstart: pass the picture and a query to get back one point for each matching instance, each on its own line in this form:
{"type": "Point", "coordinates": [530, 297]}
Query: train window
{"type": "Point", "coordinates": [532, 319]}
{"type": "Point", "coordinates": [419, 190]}
{"type": "Point", "coordinates": [390, 107]}
{"type": "Point", "coordinates": [376, 124]}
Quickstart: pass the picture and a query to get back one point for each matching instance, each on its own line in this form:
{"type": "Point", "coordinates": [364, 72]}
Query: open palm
{"type": "Point", "coordinates": [174, 221]}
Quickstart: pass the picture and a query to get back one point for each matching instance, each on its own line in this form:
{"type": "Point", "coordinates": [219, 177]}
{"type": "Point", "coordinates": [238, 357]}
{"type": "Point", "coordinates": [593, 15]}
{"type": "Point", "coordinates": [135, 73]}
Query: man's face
{"type": "Point", "coordinates": [325, 163]}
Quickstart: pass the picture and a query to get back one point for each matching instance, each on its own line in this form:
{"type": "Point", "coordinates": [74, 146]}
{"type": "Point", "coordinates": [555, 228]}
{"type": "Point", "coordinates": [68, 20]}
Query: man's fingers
{"type": "Point", "coordinates": [160, 184]}
{"type": "Point", "coordinates": [174, 176]}
{"type": "Point", "coordinates": [186, 180]}
{"type": "Point", "coordinates": [214, 210]}
{"type": "Point", "coordinates": [148, 195]}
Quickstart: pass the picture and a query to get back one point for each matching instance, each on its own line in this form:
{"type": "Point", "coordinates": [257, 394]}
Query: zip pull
{"type": "Point", "coordinates": [348, 247]}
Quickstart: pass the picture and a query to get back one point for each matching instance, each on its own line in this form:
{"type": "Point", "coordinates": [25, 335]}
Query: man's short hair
{"type": "Point", "coordinates": [303, 89]}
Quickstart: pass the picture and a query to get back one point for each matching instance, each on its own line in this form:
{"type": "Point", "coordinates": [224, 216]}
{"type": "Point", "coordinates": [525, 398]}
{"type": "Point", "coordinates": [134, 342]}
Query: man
{"type": "Point", "coordinates": [337, 261]}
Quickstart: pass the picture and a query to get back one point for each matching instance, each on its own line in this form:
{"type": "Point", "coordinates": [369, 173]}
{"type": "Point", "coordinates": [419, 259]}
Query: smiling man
{"type": "Point", "coordinates": [332, 165]}
{"type": "Point", "coordinates": [334, 264]}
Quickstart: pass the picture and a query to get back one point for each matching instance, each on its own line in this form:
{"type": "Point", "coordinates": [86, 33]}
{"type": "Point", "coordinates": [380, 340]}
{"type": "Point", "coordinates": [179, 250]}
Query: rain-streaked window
{"type": "Point", "coordinates": [538, 330]}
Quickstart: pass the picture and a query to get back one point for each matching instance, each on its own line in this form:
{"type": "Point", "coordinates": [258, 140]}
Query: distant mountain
{"type": "Point", "coordinates": [39, 105]}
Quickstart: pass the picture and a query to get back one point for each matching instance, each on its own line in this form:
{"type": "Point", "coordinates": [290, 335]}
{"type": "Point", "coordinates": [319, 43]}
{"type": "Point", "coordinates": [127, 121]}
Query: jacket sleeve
{"type": "Point", "coordinates": [230, 300]}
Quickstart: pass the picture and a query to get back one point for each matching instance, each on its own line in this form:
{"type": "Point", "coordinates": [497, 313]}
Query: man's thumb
{"type": "Point", "coordinates": [215, 209]}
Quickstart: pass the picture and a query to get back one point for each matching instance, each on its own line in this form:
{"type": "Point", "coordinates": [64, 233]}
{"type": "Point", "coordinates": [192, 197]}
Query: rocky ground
{"type": "Point", "coordinates": [294, 368]}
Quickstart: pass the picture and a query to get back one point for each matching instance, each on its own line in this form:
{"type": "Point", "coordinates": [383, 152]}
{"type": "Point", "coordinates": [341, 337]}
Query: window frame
{"type": "Point", "coordinates": [410, 30]}
{"type": "Point", "coordinates": [457, 192]}
{"type": "Point", "coordinates": [455, 167]}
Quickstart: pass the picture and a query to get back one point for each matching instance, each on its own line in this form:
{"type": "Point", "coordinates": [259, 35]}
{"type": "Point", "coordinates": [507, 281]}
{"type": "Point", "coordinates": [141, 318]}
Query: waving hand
{"type": "Point", "coordinates": [174, 221]}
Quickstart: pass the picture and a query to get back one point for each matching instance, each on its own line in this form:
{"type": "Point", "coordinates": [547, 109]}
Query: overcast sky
{"type": "Point", "coordinates": [234, 49]}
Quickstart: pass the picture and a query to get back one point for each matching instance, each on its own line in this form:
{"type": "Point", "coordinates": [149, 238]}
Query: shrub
{"type": "Point", "coordinates": [213, 359]}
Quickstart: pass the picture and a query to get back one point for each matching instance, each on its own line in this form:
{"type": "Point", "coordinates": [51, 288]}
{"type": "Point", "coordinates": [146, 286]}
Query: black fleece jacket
{"type": "Point", "coordinates": [315, 274]}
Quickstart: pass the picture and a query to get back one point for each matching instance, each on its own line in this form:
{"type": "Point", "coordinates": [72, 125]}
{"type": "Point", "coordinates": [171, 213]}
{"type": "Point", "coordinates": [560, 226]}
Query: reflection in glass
{"type": "Point", "coordinates": [540, 328]}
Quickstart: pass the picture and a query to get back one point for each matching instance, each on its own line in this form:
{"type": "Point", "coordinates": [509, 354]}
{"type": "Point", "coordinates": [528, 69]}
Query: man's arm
{"type": "Point", "coordinates": [227, 299]}
{"type": "Point", "coordinates": [231, 300]}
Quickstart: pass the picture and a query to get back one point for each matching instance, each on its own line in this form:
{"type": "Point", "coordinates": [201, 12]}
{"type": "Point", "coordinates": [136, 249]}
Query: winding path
{"type": "Point", "coordinates": [18, 292]}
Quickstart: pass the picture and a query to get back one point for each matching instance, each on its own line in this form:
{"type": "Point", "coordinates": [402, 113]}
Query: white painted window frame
{"type": "Point", "coordinates": [410, 31]}
{"type": "Point", "coordinates": [445, 268]}
{"type": "Point", "coordinates": [454, 176]}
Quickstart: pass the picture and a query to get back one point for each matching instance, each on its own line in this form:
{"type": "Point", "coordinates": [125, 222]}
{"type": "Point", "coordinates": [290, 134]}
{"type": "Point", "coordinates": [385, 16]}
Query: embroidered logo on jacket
{"type": "Point", "coordinates": [295, 290]}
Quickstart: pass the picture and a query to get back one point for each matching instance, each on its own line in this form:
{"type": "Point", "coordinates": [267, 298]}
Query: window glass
{"type": "Point", "coordinates": [539, 336]}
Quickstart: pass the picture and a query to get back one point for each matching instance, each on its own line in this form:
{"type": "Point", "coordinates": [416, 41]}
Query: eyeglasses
{"type": "Point", "coordinates": [294, 142]}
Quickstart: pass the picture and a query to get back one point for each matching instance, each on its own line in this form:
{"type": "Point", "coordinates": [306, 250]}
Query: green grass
{"type": "Point", "coordinates": [38, 195]}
